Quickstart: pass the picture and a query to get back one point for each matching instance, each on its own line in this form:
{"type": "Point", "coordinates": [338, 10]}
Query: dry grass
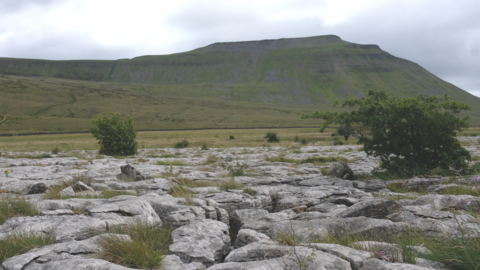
{"type": "Point", "coordinates": [165, 139]}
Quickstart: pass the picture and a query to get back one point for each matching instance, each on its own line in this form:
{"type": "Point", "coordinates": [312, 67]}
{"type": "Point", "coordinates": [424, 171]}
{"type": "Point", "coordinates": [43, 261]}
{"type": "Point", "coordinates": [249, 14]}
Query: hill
{"type": "Point", "coordinates": [234, 84]}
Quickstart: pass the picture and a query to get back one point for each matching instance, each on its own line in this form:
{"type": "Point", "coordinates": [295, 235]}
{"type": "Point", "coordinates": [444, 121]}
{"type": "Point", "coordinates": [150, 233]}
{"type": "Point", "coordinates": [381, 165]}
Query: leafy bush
{"type": "Point", "coordinates": [231, 137]}
{"type": "Point", "coordinates": [204, 146]}
{"type": "Point", "coordinates": [182, 144]}
{"type": "Point", "coordinates": [407, 134]}
{"type": "Point", "coordinates": [55, 150]}
{"type": "Point", "coordinates": [115, 136]}
{"type": "Point", "coordinates": [272, 137]}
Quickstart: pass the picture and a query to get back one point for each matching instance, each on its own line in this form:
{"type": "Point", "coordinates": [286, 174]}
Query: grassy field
{"type": "Point", "coordinates": [224, 85]}
{"type": "Point", "coordinates": [162, 139]}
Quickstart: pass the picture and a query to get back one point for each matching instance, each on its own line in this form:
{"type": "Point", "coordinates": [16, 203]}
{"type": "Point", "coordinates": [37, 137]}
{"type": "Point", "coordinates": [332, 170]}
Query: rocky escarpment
{"type": "Point", "coordinates": [232, 228]}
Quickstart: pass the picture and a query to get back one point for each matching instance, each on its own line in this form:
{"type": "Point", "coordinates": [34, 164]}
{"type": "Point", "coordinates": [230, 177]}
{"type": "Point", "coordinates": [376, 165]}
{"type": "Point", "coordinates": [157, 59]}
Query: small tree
{"type": "Point", "coordinates": [407, 134]}
{"type": "Point", "coordinates": [272, 137]}
{"type": "Point", "coordinates": [115, 136]}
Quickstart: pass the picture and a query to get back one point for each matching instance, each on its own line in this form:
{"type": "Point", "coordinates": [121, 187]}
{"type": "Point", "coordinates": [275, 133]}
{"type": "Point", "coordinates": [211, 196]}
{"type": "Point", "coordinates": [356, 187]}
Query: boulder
{"type": "Point", "coordinates": [37, 188]}
{"type": "Point", "coordinates": [354, 256]}
{"type": "Point", "coordinates": [281, 257]}
{"type": "Point", "coordinates": [340, 169]}
{"type": "Point", "coordinates": [129, 171]}
{"type": "Point", "coordinates": [378, 208]}
{"type": "Point", "coordinates": [44, 257]}
{"type": "Point", "coordinates": [376, 264]}
{"type": "Point", "coordinates": [204, 241]}
{"type": "Point", "coordinates": [247, 236]}
{"type": "Point", "coordinates": [119, 211]}
{"type": "Point", "coordinates": [63, 228]}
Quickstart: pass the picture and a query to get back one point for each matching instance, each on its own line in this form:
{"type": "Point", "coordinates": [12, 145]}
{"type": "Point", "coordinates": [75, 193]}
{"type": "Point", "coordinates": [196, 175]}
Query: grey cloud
{"type": "Point", "coordinates": [207, 16]}
{"type": "Point", "coordinates": [62, 47]}
{"type": "Point", "coordinates": [12, 6]}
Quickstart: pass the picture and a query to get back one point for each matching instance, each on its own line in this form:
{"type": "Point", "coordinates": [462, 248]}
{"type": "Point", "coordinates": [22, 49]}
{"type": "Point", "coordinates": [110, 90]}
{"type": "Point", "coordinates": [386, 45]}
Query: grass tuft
{"type": "Point", "coordinates": [17, 244]}
{"type": "Point", "coordinates": [146, 250]}
{"type": "Point", "coordinates": [231, 184]}
{"type": "Point", "coordinates": [182, 192]}
{"type": "Point", "coordinates": [16, 207]}
{"type": "Point", "coordinates": [171, 163]}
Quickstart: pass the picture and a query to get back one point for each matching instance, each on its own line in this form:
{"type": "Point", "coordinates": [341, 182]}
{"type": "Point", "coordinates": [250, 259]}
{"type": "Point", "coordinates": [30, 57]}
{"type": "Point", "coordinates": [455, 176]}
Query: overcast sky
{"type": "Point", "coordinates": [442, 36]}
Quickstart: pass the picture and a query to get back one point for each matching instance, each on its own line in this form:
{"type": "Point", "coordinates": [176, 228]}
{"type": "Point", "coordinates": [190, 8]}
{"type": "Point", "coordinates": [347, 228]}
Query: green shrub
{"type": "Point", "coordinates": [115, 136]}
{"type": "Point", "coordinates": [204, 146]}
{"type": "Point", "coordinates": [147, 249]}
{"type": "Point", "coordinates": [17, 244]}
{"type": "Point", "coordinates": [304, 141]}
{"type": "Point", "coordinates": [272, 137]}
{"type": "Point", "coordinates": [231, 137]}
{"type": "Point", "coordinates": [408, 134]}
{"type": "Point", "coordinates": [55, 150]}
{"type": "Point", "coordinates": [182, 144]}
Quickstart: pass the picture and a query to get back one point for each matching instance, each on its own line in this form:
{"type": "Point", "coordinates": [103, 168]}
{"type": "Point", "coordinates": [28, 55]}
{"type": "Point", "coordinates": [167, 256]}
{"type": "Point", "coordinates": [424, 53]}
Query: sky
{"type": "Point", "coordinates": [440, 35]}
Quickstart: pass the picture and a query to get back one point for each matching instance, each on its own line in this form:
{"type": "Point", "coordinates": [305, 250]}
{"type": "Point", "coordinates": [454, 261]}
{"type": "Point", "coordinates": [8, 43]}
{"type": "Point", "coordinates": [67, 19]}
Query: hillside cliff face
{"type": "Point", "coordinates": [297, 71]}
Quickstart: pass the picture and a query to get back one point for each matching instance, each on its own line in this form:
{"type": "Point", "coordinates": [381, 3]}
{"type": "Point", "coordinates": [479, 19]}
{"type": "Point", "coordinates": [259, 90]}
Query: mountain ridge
{"type": "Point", "coordinates": [244, 84]}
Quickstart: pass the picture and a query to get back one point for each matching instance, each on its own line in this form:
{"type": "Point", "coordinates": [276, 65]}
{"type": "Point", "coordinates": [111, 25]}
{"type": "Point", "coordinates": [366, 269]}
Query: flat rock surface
{"type": "Point", "coordinates": [228, 228]}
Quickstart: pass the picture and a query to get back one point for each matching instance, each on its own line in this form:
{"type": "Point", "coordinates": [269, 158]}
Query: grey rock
{"type": "Point", "coordinates": [80, 186]}
{"type": "Point", "coordinates": [57, 212]}
{"type": "Point", "coordinates": [374, 185]}
{"type": "Point", "coordinates": [416, 182]}
{"type": "Point", "coordinates": [355, 257]}
{"type": "Point", "coordinates": [77, 264]}
{"type": "Point", "coordinates": [231, 201]}
{"type": "Point", "coordinates": [258, 265]}
{"type": "Point", "coordinates": [325, 181]}
{"type": "Point", "coordinates": [246, 216]}
{"type": "Point", "coordinates": [345, 201]}
{"type": "Point", "coordinates": [247, 236]}
{"type": "Point", "coordinates": [283, 255]}
{"type": "Point", "coordinates": [63, 228]}
{"type": "Point", "coordinates": [173, 262]}
{"type": "Point", "coordinates": [257, 251]}
{"type": "Point", "coordinates": [223, 216]}
{"type": "Point", "coordinates": [121, 211]}
{"type": "Point", "coordinates": [205, 241]}
{"type": "Point", "coordinates": [38, 257]}
{"type": "Point", "coordinates": [173, 211]}
{"type": "Point", "coordinates": [430, 264]}
{"type": "Point", "coordinates": [375, 264]}
{"type": "Point", "coordinates": [129, 171]}
{"type": "Point", "coordinates": [340, 169]}
{"type": "Point", "coordinates": [67, 192]}
{"type": "Point", "coordinates": [374, 209]}
{"type": "Point", "coordinates": [37, 188]}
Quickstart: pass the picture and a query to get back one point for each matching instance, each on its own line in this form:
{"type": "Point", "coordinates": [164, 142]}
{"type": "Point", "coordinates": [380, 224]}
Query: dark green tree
{"type": "Point", "coordinates": [115, 136]}
{"type": "Point", "coordinates": [407, 134]}
{"type": "Point", "coordinates": [272, 137]}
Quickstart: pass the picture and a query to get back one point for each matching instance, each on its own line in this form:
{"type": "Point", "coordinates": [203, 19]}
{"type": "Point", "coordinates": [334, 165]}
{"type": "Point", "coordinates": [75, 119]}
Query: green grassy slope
{"type": "Point", "coordinates": [236, 84]}
{"type": "Point", "coordinates": [37, 104]}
